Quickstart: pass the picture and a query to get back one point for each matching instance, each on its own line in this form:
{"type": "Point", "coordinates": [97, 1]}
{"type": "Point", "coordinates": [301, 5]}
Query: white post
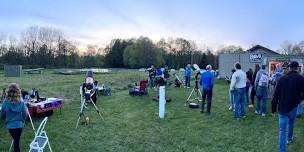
{"type": "Point", "coordinates": [162, 102]}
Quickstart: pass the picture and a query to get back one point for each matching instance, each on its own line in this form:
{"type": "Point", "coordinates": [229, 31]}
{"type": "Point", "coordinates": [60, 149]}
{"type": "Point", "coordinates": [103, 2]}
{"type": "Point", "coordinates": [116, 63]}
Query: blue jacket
{"type": "Point", "coordinates": [277, 75]}
{"type": "Point", "coordinates": [188, 72]}
{"type": "Point", "coordinates": [14, 114]}
{"type": "Point", "coordinates": [159, 73]}
{"type": "Point", "coordinates": [207, 80]}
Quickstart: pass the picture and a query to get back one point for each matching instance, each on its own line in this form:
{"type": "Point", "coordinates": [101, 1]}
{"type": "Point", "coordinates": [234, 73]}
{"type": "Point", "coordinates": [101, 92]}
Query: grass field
{"type": "Point", "coordinates": [132, 124]}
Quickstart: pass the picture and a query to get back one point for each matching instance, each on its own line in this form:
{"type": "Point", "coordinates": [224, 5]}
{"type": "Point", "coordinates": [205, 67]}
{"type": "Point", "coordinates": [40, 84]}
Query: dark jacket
{"type": "Point", "coordinates": [249, 75]}
{"type": "Point", "coordinates": [288, 93]}
{"type": "Point", "coordinates": [253, 78]}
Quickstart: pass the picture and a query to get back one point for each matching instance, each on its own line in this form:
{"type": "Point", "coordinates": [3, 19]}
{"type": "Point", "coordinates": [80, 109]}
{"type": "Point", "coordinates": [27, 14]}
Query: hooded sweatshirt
{"type": "Point", "coordinates": [14, 114]}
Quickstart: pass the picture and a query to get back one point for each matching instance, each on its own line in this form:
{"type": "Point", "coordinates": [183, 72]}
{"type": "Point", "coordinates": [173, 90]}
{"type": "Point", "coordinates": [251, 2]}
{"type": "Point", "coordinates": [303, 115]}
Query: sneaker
{"type": "Point", "coordinates": [202, 111]}
{"type": "Point", "coordinates": [289, 141]}
{"type": "Point", "coordinates": [250, 106]}
{"type": "Point", "coordinates": [230, 108]}
{"type": "Point", "coordinates": [263, 115]}
{"type": "Point", "coordinates": [238, 119]}
{"type": "Point", "coordinates": [188, 87]}
{"type": "Point", "coordinates": [299, 116]}
{"type": "Point", "coordinates": [244, 116]}
{"type": "Point", "coordinates": [256, 112]}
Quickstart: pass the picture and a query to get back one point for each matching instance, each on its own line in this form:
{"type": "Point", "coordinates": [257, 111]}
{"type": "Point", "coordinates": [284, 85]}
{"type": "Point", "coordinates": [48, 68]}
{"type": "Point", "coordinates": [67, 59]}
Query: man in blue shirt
{"type": "Point", "coordinates": [206, 82]}
{"type": "Point", "coordinates": [188, 72]}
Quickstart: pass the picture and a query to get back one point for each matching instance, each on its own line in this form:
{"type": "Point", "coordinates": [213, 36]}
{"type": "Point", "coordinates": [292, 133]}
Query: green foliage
{"type": "Point", "coordinates": [143, 53]}
{"type": "Point", "coordinates": [115, 52]}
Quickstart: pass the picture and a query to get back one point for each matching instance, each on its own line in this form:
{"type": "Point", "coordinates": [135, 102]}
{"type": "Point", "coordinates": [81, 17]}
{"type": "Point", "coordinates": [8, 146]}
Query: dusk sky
{"type": "Point", "coordinates": [208, 22]}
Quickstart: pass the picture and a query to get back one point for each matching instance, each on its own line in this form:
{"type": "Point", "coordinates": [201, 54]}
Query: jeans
{"type": "Point", "coordinates": [240, 95]}
{"type": "Point", "coordinates": [187, 81]}
{"type": "Point", "coordinates": [284, 121]}
{"type": "Point", "coordinates": [207, 93]}
{"type": "Point", "coordinates": [261, 94]}
{"type": "Point", "coordinates": [16, 133]}
{"type": "Point", "coordinates": [151, 82]}
{"type": "Point", "coordinates": [247, 95]}
{"type": "Point", "coordinates": [252, 95]}
{"type": "Point", "coordinates": [232, 97]}
{"type": "Point", "coordinates": [300, 109]}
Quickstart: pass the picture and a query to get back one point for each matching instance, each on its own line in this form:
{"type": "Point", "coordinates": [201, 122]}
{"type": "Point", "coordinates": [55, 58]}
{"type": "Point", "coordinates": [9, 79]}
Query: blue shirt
{"type": "Point", "coordinates": [159, 72]}
{"type": "Point", "coordinates": [188, 72]}
{"type": "Point", "coordinates": [14, 114]}
{"type": "Point", "coordinates": [207, 80]}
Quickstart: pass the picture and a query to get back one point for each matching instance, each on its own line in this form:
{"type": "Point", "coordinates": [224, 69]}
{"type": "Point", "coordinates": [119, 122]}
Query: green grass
{"type": "Point", "coordinates": [132, 124]}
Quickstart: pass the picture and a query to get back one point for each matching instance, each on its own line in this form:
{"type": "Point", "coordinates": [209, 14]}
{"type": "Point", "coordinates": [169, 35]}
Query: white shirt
{"type": "Point", "coordinates": [238, 80]}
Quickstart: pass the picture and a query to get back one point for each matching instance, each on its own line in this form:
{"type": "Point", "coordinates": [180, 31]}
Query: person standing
{"type": "Point", "coordinates": [152, 74]}
{"type": "Point", "coordinates": [287, 96]}
{"type": "Point", "coordinates": [231, 94]}
{"type": "Point", "coordinates": [253, 90]}
{"type": "Point", "coordinates": [14, 112]}
{"type": "Point", "coordinates": [188, 73]}
{"type": "Point", "coordinates": [207, 82]}
{"type": "Point", "coordinates": [238, 83]}
{"type": "Point", "coordinates": [261, 85]}
{"type": "Point", "coordinates": [249, 75]}
{"type": "Point", "coordinates": [277, 74]}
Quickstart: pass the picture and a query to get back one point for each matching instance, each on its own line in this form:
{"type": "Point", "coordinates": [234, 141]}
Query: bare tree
{"type": "Point", "coordinates": [2, 44]}
{"type": "Point", "coordinates": [230, 49]}
{"type": "Point", "coordinates": [286, 47]}
{"type": "Point", "coordinates": [91, 50]}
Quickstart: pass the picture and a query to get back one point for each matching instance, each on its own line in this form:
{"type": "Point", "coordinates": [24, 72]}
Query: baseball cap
{"type": "Point", "coordinates": [293, 64]}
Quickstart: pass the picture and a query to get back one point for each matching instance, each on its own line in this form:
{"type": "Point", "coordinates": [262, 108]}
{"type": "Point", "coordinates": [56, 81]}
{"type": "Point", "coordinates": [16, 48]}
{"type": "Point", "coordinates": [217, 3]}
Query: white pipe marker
{"type": "Point", "coordinates": [162, 102]}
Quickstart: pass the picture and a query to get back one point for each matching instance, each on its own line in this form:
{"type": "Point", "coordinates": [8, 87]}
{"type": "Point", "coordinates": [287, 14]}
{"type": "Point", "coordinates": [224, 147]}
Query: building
{"type": "Point", "coordinates": [256, 55]}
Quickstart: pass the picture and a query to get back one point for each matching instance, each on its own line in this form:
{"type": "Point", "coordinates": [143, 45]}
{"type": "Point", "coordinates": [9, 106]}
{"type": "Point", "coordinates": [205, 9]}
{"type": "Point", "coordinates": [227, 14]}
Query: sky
{"type": "Point", "coordinates": [212, 23]}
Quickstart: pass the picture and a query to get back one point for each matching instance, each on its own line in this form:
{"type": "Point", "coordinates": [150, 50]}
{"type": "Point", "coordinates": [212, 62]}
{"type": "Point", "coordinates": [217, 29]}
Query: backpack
{"type": "Point", "coordinates": [263, 82]}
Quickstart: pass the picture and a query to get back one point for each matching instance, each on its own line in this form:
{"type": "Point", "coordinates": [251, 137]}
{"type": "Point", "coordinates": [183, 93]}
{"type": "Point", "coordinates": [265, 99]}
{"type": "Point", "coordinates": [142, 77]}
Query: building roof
{"type": "Point", "coordinates": [263, 48]}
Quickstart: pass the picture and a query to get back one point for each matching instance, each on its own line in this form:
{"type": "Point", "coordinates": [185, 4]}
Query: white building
{"type": "Point", "coordinates": [256, 55]}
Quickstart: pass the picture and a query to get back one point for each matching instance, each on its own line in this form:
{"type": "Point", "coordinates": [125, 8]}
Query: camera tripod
{"type": "Point", "coordinates": [197, 92]}
{"type": "Point", "coordinates": [87, 97]}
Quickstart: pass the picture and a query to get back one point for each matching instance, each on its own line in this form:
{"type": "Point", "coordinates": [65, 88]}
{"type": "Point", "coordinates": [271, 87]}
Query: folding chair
{"type": "Point", "coordinates": [41, 139]}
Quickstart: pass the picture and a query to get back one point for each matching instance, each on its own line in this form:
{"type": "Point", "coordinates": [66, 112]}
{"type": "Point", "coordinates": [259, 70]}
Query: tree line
{"type": "Point", "coordinates": [49, 47]}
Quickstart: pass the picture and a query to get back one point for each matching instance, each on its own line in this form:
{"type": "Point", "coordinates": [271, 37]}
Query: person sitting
{"type": "Point", "coordinates": [177, 81]}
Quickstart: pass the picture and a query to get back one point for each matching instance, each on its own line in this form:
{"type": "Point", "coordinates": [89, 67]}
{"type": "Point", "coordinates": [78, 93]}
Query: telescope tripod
{"type": "Point", "coordinates": [197, 92]}
{"type": "Point", "coordinates": [83, 106]}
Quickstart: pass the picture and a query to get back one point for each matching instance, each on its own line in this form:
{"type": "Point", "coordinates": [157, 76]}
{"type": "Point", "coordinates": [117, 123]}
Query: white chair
{"type": "Point", "coordinates": [41, 139]}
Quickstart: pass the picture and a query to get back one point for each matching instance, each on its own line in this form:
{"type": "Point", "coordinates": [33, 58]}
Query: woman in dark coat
{"type": "Point", "coordinates": [253, 91]}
